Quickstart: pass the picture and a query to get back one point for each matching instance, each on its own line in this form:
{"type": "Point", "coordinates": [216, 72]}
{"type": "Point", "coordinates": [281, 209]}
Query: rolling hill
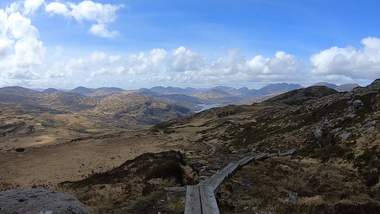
{"type": "Point", "coordinates": [334, 170]}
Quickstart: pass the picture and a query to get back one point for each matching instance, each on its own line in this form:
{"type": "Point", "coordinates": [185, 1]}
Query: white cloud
{"type": "Point", "coordinates": [30, 6]}
{"type": "Point", "coordinates": [349, 62]}
{"type": "Point", "coordinates": [183, 59]}
{"type": "Point", "coordinates": [281, 64]}
{"type": "Point", "coordinates": [92, 11]}
{"type": "Point", "coordinates": [21, 50]}
{"type": "Point", "coordinates": [57, 8]}
{"type": "Point", "coordinates": [157, 56]}
{"type": "Point", "coordinates": [19, 26]}
{"type": "Point", "coordinates": [182, 65]}
{"type": "Point", "coordinates": [5, 47]}
{"type": "Point", "coordinates": [102, 31]}
{"type": "Point", "coordinates": [100, 15]}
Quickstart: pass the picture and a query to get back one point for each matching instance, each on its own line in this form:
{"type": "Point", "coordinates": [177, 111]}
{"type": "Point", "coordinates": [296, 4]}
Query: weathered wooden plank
{"type": "Point", "coordinates": [226, 168]}
{"type": "Point", "coordinates": [286, 153]}
{"type": "Point", "coordinates": [261, 156]}
{"type": "Point", "coordinates": [193, 201]}
{"type": "Point", "coordinates": [245, 160]}
{"type": "Point", "coordinates": [271, 155]}
{"type": "Point", "coordinates": [232, 168]}
{"type": "Point", "coordinates": [224, 171]}
{"type": "Point", "coordinates": [208, 200]}
{"type": "Point", "coordinates": [215, 180]}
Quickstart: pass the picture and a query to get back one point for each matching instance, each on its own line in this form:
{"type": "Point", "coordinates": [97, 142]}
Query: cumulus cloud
{"type": "Point", "coordinates": [20, 47]}
{"type": "Point", "coordinates": [5, 47]}
{"type": "Point", "coordinates": [102, 31]}
{"type": "Point", "coordinates": [100, 15]}
{"type": "Point", "coordinates": [57, 8]}
{"type": "Point", "coordinates": [183, 59]}
{"type": "Point", "coordinates": [183, 65]}
{"type": "Point", "coordinates": [349, 62]}
{"type": "Point", "coordinates": [281, 67]}
{"type": "Point", "coordinates": [30, 6]}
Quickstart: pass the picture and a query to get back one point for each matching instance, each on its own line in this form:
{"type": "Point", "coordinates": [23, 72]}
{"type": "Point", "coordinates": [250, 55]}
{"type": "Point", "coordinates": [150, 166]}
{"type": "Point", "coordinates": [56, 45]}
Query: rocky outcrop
{"type": "Point", "coordinates": [39, 201]}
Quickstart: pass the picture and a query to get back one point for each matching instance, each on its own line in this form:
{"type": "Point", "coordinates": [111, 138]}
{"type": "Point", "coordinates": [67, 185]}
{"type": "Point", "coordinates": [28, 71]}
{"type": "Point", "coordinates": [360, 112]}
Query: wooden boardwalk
{"type": "Point", "coordinates": [200, 199]}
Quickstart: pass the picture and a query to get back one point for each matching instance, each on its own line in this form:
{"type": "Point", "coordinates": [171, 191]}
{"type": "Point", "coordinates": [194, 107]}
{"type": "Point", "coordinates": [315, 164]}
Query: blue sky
{"type": "Point", "coordinates": [252, 26]}
{"type": "Point", "coordinates": [228, 42]}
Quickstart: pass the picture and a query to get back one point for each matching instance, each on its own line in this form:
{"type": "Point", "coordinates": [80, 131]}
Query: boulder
{"type": "Point", "coordinates": [39, 201]}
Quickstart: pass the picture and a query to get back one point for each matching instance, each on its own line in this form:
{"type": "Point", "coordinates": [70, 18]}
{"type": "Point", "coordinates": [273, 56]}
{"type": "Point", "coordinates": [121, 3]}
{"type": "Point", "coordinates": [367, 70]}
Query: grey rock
{"type": "Point", "coordinates": [39, 201]}
{"type": "Point", "coordinates": [370, 130]}
{"type": "Point", "coordinates": [370, 124]}
{"type": "Point", "coordinates": [345, 136]}
{"type": "Point", "coordinates": [357, 104]}
{"type": "Point", "coordinates": [292, 197]}
{"type": "Point", "coordinates": [317, 132]}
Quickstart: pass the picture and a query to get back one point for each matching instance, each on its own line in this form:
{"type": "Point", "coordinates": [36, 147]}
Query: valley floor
{"type": "Point", "coordinates": [55, 163]}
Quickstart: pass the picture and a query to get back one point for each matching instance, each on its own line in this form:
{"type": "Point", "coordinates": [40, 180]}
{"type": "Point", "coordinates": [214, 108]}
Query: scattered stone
{"type": "Point", "coordinates": [292, 197]}
{"type": "Point", "coordinates": [317, 132]}
{"type": "Point", "coordinates": [345, 136]}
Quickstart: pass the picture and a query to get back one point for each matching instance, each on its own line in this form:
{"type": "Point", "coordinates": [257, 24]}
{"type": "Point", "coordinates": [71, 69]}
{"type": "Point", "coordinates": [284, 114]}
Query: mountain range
{"type": "Point", "coordinates": [199, 99]}
{"type": "Point", "coordinates": [150, 104]}
{"type": "Point", "coordinates": [53, 115]}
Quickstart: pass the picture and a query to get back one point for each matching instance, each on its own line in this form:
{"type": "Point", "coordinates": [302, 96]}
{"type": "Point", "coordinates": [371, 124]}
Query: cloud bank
{"type": "Point", "coordinates": [184, 66]}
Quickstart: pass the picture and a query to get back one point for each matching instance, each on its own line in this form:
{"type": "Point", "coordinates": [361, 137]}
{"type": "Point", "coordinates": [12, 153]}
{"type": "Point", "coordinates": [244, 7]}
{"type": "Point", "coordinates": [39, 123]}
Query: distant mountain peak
{"type": "Point", "coordinates": [51, 90]}
{"type": "Point", "coordinates": [341, 88]}
{"type": "Point", "coordinates": [96, 91]}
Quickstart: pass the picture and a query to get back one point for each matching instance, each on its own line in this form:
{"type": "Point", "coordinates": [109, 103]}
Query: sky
{"type": "Point", "coordinates": [199, 43]}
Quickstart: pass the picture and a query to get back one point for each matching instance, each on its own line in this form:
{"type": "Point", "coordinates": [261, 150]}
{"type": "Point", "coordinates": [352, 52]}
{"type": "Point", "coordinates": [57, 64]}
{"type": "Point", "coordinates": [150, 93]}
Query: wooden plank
{"type": "Point", "coordinates": [226, 168]}
{"type": "Point", "coordinates": [215, 180]}
{"type": "Point", "coordinates": [224, 171]}
{"type": "Point", "coordinates": [286, 153]}
{"type": "Point", "coordinates": [232, 168]}
{"type": "Point", "coordinates": [193, 201]}
{"type": "Point", "coordinates": [271, 155]}
{"type": "Point", "coordinates": [208, 200]}
{"type": "Point", "coordinates": [261, 156]}
{"type": "Point", "coordinates": [245, 160]}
